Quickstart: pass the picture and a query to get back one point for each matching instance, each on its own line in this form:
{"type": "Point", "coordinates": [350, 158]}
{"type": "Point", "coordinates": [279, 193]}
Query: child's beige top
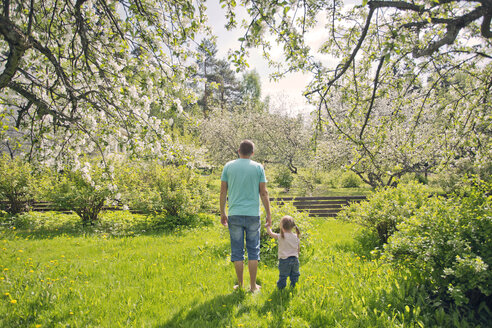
{"type": "Point", "coordinates": [288, 246]}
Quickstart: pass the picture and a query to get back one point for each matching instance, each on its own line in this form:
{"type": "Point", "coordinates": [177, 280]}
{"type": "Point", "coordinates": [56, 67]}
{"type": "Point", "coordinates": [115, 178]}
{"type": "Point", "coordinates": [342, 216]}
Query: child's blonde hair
{"type": "Point", "coordinates": [287, 223]}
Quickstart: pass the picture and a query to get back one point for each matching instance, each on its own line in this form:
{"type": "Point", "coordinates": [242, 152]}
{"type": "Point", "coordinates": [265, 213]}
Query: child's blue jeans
{"type": "Point", "coordinates": [288, 267]}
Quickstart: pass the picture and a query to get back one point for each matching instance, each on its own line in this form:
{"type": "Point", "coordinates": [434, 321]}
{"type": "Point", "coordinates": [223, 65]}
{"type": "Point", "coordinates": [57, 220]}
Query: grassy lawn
{"type": "Point", "coordinates": [185, 279]}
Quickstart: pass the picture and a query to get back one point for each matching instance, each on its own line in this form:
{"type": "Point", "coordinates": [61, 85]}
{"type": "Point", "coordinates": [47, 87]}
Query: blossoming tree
{"type": "Point", "coordinates": [432, 56]}
{"type": "Point", "coordinates": [84, 76]}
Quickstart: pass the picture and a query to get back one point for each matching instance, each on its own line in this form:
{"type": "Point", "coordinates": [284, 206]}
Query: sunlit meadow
{"type": "Point", "coordinates": [57, 275]}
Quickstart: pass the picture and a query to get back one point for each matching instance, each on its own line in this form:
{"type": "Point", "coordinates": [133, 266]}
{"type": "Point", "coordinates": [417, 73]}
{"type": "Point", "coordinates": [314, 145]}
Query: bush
{"type": "Point", "coordinates": [350, 180]}
{"type": "Point", "coordinates": [449, 242]}
{"type": "Point", "coordinates": [171, 191]}
{"type": "Point", "coordinates": [16, 184]}
{"type": "Point", "coordinates": [283, 178]}
{"type": "Point", "coordinates": [386, 208]}
{"type": "Point", "coordinates": [84, 191]}
{"type": "Point", "coordinates": [269, 246]}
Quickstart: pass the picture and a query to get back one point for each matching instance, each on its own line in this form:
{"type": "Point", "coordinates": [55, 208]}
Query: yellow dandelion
{"type": "Point", "coordinates": [20, 251]}
{"type": "Point", "coordinates": [13, 301]}
{"type": "Point", "coordinates": [71, 312]}
{"type": "Point", "coordinates": [5, 269]}
{"type": "Point", "coordinates": [31, 271]}
{"type": "Point", "coordinates": [6, 294]}
{"type": "Point", "coordinates": [13, 228]}
{"type": "Point", "coordinates": [38, 326]}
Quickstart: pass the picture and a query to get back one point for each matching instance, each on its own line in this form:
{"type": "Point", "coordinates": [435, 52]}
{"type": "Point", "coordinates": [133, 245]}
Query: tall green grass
{"type": "Point", "coordinates": [58, 278]}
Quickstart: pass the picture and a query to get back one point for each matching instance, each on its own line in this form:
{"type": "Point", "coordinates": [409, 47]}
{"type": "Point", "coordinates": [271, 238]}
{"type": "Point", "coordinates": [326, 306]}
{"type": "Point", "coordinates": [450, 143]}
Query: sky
{"type": "Point", "coordinates": [287, 90]}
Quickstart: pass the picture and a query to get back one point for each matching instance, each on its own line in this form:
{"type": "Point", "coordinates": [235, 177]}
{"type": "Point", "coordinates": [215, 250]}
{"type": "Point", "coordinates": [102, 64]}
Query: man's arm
{"type": "Point", "coordinates": [223, 200]}
{"type": "Point", "coordinates": [266, 202]}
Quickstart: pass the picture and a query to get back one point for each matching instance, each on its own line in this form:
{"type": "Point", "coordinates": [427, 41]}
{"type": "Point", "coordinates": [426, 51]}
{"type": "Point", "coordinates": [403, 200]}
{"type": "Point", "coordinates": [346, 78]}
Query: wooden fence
{"type": "Point", "coordinates": [319, 206]}
{"type": "Point", "coordinates": [314, 206]}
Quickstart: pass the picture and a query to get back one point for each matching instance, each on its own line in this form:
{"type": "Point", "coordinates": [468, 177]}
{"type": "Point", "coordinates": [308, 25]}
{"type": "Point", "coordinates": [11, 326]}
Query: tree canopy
{"type": "Point", "coordinates": [432, 56]}
{"type": "Point", "coordinates": [85, 74]}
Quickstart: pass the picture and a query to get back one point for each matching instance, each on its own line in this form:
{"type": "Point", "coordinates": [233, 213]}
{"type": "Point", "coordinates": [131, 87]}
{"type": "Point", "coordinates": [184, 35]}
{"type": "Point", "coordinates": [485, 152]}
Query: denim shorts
{"type": "Point", "coordinates": [239, 226]}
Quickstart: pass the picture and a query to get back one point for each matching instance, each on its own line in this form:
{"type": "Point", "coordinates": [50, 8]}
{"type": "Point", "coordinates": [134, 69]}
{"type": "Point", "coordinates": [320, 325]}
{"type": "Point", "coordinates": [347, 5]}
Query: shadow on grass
{"type": "Point", "coordinates": [275, 305]}
{"type": "Point", "coordinates": [217, 312]}
{"type": "Point", "coordinates": [46, 225]}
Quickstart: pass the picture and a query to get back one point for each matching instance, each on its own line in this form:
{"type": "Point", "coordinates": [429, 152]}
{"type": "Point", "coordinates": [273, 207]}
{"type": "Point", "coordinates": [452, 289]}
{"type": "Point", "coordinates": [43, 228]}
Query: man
{"type": "Point", "coordinates": [244, 181]}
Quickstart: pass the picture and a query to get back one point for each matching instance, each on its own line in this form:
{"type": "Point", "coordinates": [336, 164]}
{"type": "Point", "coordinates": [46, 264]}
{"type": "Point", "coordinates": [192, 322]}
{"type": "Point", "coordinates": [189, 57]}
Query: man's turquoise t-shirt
{"type": "Point", "coordinates": [243, 177]}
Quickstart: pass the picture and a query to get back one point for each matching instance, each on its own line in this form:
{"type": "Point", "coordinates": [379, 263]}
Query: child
{"type": "Point", "coordinates": [288, 251]}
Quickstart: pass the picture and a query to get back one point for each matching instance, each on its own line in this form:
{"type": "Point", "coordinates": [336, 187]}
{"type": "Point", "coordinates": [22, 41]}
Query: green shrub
{"type": "Point", "coordinates": [16, 184]}
{"type": "Point", "coordinates": [386, 208]}
{"type": "Point", "coordinates": [350, 180]}
{"type": "Point", "coordinates": [283, 178]}
{"type": "Point", "coordinates": [449, 242]}
{"type": "Point", "coordinates": [269, 246]}
{"type": "Point", "coordinates": [171, 191]}
{"type": "Point", "coordinates": [84, 191]}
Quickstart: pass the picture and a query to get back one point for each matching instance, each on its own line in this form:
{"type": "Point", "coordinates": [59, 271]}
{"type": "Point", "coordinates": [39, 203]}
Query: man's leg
{"type": "Point", "coordinates": [236, 232]}
{"type": "Point", "coordinates": [253, 246]}
{"type": "Point", "coordinates": [253, 269]}
{"type": "Point", "coordinates": [238, 265]}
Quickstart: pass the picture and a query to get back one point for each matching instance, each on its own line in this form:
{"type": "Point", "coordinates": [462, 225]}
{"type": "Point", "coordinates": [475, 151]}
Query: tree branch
{"type": "Point", "coordinates": [485, 27]}
{"type": "Point", "coordinates": [31, 14]}
{"type": "Point", "coordinates": [402, 5]}
{"type": "Point", "coordinates": [43, 106]}
{"type": "Point", "coordinates": [17, 46]}
{"type": "Point", "coordinates": [376, 81]}
{"type": "Point", "coordinates": [453, 26]}
{"type": "Point", "coordinates": [6, 8]}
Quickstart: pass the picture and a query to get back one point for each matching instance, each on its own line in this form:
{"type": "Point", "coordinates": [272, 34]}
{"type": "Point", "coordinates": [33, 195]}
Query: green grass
{"type": "Point", "coordinates": [56, 277]}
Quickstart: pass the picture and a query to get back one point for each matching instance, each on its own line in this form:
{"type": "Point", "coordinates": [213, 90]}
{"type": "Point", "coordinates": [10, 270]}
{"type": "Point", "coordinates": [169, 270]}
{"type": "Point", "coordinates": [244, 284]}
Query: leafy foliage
{"type": "Point", "coordinates": [386, 208]}
{"type": "Point", "coordinates": [173, 191]}
{"type": "Point", "coordinates": [84, 191]}
{"type": "Point", "coordinates": [16, 184]}
{"type": "Point", "coordinates": [449, 242]}
{"type": "Point", "coordinates": [283, 178]}
{"type": "Point", "coordinates": [350, 180]}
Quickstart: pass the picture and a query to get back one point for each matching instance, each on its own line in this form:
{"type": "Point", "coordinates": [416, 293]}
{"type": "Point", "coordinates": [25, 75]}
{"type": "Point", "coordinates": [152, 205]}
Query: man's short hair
{"type": "Point", "coordinates": [246, 147]}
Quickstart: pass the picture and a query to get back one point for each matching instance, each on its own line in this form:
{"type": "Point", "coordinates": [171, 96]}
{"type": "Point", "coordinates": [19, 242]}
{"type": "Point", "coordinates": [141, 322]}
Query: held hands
{"type": "Point", "coordinates": [268, 223]}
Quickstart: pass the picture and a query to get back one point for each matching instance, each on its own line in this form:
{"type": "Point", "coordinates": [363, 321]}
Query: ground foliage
{"type": "Point", "coordinates": [56, 271]}
{"type": "Point", "coordinates": [443, 240]}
